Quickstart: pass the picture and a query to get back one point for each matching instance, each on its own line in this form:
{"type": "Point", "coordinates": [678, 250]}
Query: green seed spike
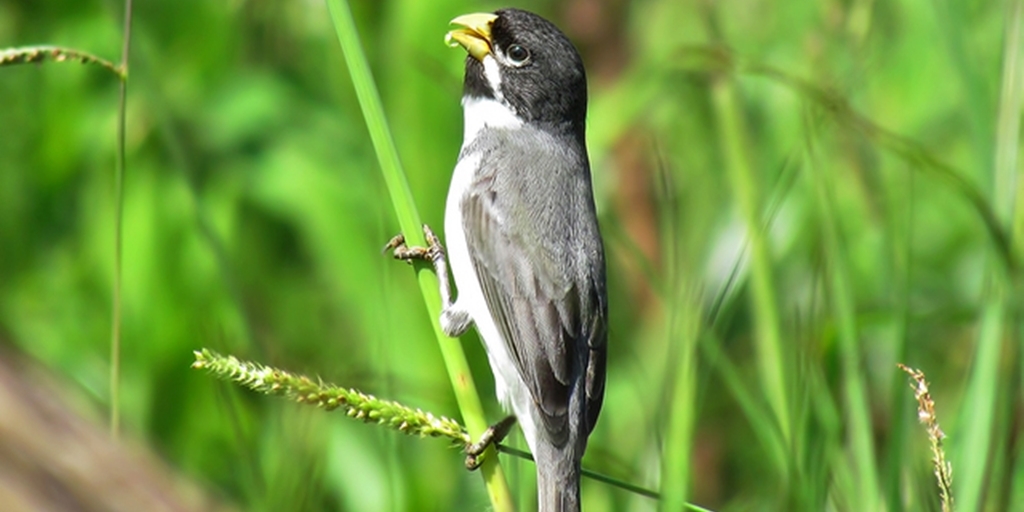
{"type": "Point", "coordinates": [356, 404]}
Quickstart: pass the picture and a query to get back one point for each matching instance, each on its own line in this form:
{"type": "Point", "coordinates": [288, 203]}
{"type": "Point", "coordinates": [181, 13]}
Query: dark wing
{"type": "Point", "coordinates": [542, 273]}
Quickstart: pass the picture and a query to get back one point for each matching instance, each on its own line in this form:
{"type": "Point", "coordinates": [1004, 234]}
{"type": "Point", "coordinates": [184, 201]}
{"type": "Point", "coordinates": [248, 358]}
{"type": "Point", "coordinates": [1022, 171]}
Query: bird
{"type": "Point", "coordinates": [523, 241]}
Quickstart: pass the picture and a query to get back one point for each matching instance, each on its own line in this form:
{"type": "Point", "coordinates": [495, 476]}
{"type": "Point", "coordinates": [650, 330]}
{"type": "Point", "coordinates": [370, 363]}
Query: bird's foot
{"type": "Point", "coordinates": [493, 435]}
{"type": "Point", "coordinates": [432, 253]}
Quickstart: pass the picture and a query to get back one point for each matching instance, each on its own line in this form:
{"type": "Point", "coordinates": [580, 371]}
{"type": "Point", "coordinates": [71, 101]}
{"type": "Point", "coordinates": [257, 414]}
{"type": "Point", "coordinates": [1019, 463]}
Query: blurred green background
{"type": "Point", "coordinates": [795, 197]}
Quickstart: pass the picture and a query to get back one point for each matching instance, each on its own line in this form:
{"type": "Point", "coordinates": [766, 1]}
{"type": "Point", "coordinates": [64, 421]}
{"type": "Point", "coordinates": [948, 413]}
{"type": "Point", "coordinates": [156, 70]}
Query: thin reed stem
{"type": "Point", "coordinates": [115, 307]}
{"type": "Point", "coordinates": [411, 226]}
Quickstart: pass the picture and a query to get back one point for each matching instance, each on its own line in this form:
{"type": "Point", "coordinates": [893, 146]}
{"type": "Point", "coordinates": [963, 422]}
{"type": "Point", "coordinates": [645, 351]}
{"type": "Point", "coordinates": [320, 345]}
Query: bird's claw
{"type": "Point", "coordinates": [492, 436]}
{"type": "Point", "coordinates": [431, 253]}
{"type": "Point", "coordinates": [395, 242]}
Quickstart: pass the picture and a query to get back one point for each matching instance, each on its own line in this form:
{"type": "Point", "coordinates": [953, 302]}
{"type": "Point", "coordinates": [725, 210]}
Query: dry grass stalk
{"type": "Point", "coordinates": [926, 415]}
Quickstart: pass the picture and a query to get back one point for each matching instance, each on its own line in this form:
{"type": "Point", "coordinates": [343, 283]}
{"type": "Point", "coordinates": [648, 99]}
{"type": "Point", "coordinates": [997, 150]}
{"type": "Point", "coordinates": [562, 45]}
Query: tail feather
{"type": "Point", "coordinates": [558, 479]}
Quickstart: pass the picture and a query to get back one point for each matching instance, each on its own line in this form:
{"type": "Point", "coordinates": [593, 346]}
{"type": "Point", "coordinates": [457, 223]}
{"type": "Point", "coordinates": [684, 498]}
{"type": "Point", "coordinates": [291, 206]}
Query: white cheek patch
{"type": "Point", "coordinates": [480, 113]}
{"type": "Point", "coordinates": [492, 71]}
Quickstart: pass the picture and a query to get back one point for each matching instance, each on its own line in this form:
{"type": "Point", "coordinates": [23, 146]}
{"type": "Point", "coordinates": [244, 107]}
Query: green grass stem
{"type": "Point", "coordinates": [410, 224]}
{"type": "Point", "coordinates": [746, 398]}
{"type": "Point", "coordinates": [678, 447]}
{"type": "Point", "coordinates": [48, 53]}
{"type": "Point", "coordinates": [741, 172]}
{"type": "Point", "coordinates": [1008, 121]}
{"type": "Point", "coordinates": [115, 307]}
{"type": "Point", "coordinates": [978, 435]}
{"type": "Point", "coordinates": [978, 106]}
{"type": "Point", "coordinates": [979, 410]}
{"type": "Point", "coordinates": [857, 417]}
{"type": "Point", "coordinates": [901, 198]}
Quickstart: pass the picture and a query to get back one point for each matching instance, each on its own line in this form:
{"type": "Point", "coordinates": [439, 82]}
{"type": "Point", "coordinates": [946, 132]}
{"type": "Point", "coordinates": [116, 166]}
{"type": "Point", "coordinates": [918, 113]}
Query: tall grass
{"type": "Point", "coordinates": [412, 228]}
{"type": "Point", "coordinates": [116, 305]}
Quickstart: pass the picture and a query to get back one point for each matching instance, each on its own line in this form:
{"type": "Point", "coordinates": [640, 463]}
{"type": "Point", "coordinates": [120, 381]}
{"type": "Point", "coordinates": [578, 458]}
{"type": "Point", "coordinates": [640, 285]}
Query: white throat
{"type": "Point", "coordinates": [483, 113]}
{"type": "Point", "coordinates": [480, 113]}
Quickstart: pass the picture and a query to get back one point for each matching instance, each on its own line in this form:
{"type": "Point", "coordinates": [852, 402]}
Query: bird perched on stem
{"type": "Point", "coordinates": [523, 240]}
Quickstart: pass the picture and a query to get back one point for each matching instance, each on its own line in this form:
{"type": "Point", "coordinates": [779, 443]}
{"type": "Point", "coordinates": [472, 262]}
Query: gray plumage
{"type": "Point", "coordinates": [542, 275]}
{"type": "Point", "coordinates": [541, 270]}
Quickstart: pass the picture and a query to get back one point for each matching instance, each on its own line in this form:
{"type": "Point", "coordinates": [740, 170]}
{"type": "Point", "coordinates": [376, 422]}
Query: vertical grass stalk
{"type": "Point", "coordinates": [410, 224]}
{"type": "Point", "coordinates": [1008, 120]}
{"type": "Point", "coordinates": [978, 435]}
{"type": "Point", "coordinates": [684, 319]}
{"type": "Point", "coordinates": [115, 307]}
{"type": "Point", "coordinates": [979, 409]}
{"type": "Point", "coordinates": [675, 472]}
{"type": "Point", "coordinates": [901, 200]}
{"type": "Point", "coordinates": [856, 408]}
{"type": "Point", "coordinates": [741, 172]}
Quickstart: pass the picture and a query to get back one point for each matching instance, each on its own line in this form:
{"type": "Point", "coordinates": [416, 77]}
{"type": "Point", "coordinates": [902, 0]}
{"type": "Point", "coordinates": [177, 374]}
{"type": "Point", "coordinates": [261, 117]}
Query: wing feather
{"type": "Point", "coordinates": [543, 286]}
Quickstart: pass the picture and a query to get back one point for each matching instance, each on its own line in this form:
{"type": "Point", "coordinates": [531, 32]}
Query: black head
{"type": "Point", "coordinates": [540, 73]}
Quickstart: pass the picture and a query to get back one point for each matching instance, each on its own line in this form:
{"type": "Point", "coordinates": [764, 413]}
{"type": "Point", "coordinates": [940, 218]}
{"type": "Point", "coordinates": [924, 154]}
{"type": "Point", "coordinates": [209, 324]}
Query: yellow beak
{"type": "Point", "coordinates": [474, 34]}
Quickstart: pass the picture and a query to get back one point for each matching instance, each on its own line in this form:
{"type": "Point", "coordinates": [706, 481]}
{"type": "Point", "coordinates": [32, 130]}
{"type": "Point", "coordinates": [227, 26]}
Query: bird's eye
{"type": "Point", "coordinates": [517, 54]}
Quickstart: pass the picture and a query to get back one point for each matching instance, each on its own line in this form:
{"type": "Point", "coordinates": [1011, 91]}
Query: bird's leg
{"type": "Point", "coordinates": [493, 435]}
{"type": "Point", "coordinates": [454, 321]}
